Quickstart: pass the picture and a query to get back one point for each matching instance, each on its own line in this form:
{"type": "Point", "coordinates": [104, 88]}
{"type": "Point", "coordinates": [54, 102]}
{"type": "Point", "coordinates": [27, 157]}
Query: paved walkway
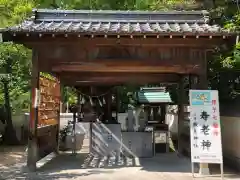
{"type": "Point", "coordinates": [86, 167]}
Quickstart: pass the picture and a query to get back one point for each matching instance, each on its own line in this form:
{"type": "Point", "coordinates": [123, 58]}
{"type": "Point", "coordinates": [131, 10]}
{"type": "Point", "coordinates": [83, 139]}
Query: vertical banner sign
{"type": "Point", "coordinates": [206, 143]}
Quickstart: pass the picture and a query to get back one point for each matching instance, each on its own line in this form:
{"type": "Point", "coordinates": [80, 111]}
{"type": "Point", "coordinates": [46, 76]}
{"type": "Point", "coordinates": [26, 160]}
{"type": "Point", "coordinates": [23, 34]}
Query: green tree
{"type": "Point", "coordinates": [224, 66]}
{"type": "Point", "coordinates": [14, 65]}
{"type": "Point", "coordinates": [15, 60]}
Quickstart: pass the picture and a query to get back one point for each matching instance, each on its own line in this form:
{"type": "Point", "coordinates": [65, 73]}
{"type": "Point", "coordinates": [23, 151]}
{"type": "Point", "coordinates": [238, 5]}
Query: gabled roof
{"type": "Point", "coordinates": [153, 95]}
{"type": "Point", "coordinates": [118, 22]}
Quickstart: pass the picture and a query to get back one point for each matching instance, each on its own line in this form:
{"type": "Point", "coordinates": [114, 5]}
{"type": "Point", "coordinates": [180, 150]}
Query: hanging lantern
{"type": "Point", "coordinates": [104, 102]}
{"type": "Point", "coordinates": [91, 101]}
{"type": "Point", "coordinates": [100, 103]}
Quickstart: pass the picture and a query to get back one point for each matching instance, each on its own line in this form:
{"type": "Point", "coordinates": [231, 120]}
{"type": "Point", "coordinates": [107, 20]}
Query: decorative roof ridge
{"type": "Point", "coordinates": [117, 15]}
{"type": "Point", "coordinates": [168, 12]}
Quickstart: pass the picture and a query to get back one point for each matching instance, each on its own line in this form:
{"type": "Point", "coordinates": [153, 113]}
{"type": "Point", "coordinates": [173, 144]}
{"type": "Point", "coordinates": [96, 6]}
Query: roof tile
{"type": "Point", "coordinates": [66, 21]}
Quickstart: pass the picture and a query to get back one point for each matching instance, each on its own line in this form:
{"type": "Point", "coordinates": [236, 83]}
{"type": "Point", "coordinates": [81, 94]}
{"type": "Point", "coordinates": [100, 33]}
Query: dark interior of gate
{"type": "Point", "coordinates": [95, 51]}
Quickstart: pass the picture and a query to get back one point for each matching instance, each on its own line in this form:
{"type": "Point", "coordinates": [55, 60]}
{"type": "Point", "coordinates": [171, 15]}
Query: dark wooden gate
{"type": "Point", "coordinates": [48, 115]}
{"type": "Point", "coordinates": [44, 118]}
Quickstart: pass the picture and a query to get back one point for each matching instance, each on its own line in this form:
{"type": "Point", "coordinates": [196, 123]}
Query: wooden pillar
{"type": "Point", "coordinates": [109, 107]}
{"type": "Point", "coordinates": [32, 142]}
{"type": "Point", "coordinates": [74, 110]}
{"type": "Point", "coordinates": [78, 106]}
{"type": "Point", "coordinates": [193, 80]}
{"type": "Point", "coordinates": [59, 116]}
{"type": "Point", "coordinates": [148, 109]}
{"type": "Point", "coordinates": [180, 112]}
{"type": "Point", "coordinates": [155, 114]}
{"type": "Point", "coordinates": [202, 82]}
{"type": "Point", "coordinates": [117, 104]}
{"type": "Point", "coordinates": [163, 113]}
{"type": "Point", "coordinates": [62, 109]}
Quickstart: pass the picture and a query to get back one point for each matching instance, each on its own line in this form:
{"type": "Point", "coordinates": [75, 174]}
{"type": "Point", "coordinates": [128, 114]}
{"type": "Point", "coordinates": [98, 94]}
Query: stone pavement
{"type": "Point", "coordinates": [84, 166]}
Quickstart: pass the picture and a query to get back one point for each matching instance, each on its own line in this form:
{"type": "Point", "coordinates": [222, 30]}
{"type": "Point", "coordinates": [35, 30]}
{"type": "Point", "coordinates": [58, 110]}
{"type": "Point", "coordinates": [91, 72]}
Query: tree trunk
{"type": "Point", "coordinates": [10, 133]}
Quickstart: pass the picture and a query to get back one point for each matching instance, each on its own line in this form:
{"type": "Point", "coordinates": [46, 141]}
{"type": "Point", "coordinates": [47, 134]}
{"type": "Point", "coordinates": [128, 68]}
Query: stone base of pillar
{"type": "Point", "coordinates": [204, 169]}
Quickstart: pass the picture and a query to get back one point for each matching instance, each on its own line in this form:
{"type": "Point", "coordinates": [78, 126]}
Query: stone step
{"type": "Point", "coordinates": [98, 161]}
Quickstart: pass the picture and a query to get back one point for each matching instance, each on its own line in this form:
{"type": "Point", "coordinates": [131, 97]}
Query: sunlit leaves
{"type": "Point", "coordinates": [15, 60]}
{"type": "Point", "coordinates": [15, 11]}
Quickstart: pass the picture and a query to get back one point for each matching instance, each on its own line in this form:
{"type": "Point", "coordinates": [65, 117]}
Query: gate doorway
{"type": "Point", "coordinates": [103, 49]}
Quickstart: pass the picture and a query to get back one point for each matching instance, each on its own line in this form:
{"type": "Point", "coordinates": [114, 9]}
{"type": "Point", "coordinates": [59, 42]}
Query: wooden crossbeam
{"type": "Point", "coordinates": [116, 78]}
{"type": "Point", "coordinates": [127, 69]}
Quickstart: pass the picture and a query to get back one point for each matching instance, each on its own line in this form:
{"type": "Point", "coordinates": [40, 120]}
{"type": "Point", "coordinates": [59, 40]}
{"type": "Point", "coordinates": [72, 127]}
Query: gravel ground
{"type": "Point", "coordinates": [84, 166]}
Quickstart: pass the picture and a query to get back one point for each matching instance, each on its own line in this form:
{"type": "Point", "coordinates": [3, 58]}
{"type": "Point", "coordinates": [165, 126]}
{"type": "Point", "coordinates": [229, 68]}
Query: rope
{"type": "Point", "coordinates": [97, 96]}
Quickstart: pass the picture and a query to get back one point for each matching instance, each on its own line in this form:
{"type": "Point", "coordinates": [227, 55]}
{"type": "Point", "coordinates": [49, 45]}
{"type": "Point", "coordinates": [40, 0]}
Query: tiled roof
{"type": "Point", "coordinates": [117, 22]}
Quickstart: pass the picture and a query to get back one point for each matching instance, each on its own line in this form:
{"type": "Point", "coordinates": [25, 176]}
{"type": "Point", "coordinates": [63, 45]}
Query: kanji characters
{"type": "Point", "coordinates": [214, 117]}
{"type": "Point", "coordinates": [206, 144]}
{"type": "Point", "coordinates": [205, 129]}
{"type": "Point", "coordinates": [195, 124]}
{"type": "Point", "coordinates": [205, 125]}
{"type": "Point", "coordinates": [195, 138]}
{"type": "Point", "coordinates": [214, 109]}
{"type": "Point", "coordinates": [204, 115]}
{"type": "Point", "coordinates": [195, 145]}
{"type": "Point", "coordinates": [214, 102]}
{"type": "Point", "coordinates": [215, 125]}
{"type": "Point", "coordinates": [215, 133]}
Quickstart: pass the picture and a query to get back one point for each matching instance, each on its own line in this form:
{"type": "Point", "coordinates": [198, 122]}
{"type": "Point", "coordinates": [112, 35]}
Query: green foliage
{"type": "Point", "coordinates": [14, 11]}
{"type": "Point", "coordinates": [17, 57]}
{"type": "Point", "coordinates": [15, 60]}
{"type": "Point", "coordinates": [127, 96]}
{"type": "Point", "coordinates": [222, 68]}
{"type": "Point", "coordinates": [69, 95]}
{"type": "Point", "coordinates": [119, 4]}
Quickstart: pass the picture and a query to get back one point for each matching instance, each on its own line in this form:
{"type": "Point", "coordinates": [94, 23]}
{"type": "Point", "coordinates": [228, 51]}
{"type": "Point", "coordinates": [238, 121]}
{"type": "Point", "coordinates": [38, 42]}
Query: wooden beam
{"type": "Point", "coordinates": [119, 76]}
{"type": "Point", "coordinates": [35, 40]}
{"type": "Point", "coordinates": [71, 63]}
{"type": "Point", "coordinates": [180, 113]}
{"type": "Point", "coordinates": [181, 69]}
{"type": "Point", "coordinates": [68, 82]}
{"type": "Point", "coordinates": [116, 78]}
{"type": "Point", "coordinates": [96, 63]}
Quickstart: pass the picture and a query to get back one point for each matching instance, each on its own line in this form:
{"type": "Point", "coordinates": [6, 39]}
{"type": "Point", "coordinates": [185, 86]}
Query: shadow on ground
{"type": "Point", "coordinates": [68, 166]}
{"type": "Point", "coordinates": [73, 166]}
{"type": "Point", "coordinates": [169, 162]}
{"type": "Point", "coordinates": [83, 165]}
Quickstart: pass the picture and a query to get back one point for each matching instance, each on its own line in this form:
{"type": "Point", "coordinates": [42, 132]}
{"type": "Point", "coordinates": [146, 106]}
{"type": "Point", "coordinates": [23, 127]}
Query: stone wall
{"type": "Point", "coordinates": [231, 140]}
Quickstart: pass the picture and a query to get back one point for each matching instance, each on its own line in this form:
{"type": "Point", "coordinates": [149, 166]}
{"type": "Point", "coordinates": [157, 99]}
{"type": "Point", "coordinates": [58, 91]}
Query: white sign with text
{"type": "Point", "coordinates": [205, 128]}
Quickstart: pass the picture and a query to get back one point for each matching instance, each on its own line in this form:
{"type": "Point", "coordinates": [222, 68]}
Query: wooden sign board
{"type": "Point", "coordinates": [49, 107]}
{"type": "Point", "coordinates": [48, 115]}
